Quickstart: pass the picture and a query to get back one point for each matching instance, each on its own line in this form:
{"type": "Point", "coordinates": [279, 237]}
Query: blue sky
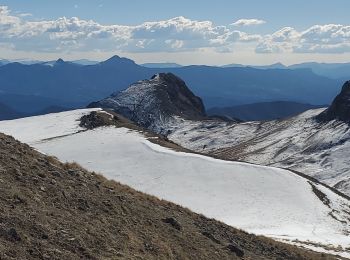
{"type": "Point", "coordinates": [188, 32]}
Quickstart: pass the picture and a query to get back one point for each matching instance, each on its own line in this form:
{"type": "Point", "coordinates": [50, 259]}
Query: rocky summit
{"type": "Point", "coordinates": [154, 102]}
{"type": "Point", "coordinates": [340, 107]}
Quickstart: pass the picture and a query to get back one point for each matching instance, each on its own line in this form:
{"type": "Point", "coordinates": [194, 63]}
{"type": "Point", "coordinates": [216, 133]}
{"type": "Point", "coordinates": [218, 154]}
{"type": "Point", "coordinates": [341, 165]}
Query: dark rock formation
{"type": "Point", "coordinates": [235, 249]}
{"type": "Point", "coordinates": [173, 222]}
{"type": "Point", "coordinates": [340, 107]}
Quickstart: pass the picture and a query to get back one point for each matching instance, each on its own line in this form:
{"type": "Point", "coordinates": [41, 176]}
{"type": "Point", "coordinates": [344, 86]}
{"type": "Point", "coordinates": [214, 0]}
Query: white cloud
{"type": "Point", "coordinates": [25, 14]}
{"type": "Point", "coordinates": [248, 22]}
{"type": "Point", "coordinates": [176, 34]}
{"type": "Point", "coordinates": [179, 34]}
{"type": "Point", "coordinates": [329, 38]}
{"type": "Point", "coordinates": [280, 41]}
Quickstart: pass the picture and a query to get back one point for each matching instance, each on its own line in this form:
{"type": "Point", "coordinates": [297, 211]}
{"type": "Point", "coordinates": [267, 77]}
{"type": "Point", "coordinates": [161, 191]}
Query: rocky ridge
{"type": "Point", "coordinates": [340, 107]}
{"type": "Point", "coordinates": [155, 102]}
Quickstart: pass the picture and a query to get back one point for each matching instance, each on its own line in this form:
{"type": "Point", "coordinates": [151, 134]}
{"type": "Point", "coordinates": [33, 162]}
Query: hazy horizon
{"type": "Point", "coordinates": [163, 62]}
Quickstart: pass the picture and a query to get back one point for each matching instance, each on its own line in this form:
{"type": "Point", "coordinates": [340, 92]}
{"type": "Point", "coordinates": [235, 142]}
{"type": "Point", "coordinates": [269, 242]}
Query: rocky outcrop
{"type": "Point", "coordinates": [152, 103]}
{"type": "Point", "coordinates": [340, 107]}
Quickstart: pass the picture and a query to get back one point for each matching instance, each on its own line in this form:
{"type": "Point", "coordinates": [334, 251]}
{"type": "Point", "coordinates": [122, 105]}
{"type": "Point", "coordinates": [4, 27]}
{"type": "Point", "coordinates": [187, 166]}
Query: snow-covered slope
{"type": "Point", "coordinates": [263, 200]}
{"type": "Point", "coordinates": [318, 149]}
{"type": "Point", "coordinates": [316, 142]}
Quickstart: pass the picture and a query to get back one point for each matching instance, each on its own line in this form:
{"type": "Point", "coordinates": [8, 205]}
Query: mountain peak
{"type": "Point", "coordinates": [151, 103]}
{"type": "Point", "coordinates": [278, 64]}
{"type": "Point", "coordinates": [340, 107]}
{"type": "Point", "coordinates": [115, 60]}
{"type": "Point", "coordinates": [168, 77]}
{"type": "Point", "coordinates": [59, 61]}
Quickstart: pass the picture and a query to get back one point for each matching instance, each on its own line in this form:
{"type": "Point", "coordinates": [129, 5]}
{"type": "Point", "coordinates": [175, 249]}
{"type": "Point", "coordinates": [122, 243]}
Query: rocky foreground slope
{"type": "Point", "coordinates": [51, 210]}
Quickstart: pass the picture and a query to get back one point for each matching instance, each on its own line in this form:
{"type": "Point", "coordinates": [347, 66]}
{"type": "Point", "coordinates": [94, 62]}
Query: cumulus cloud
{"type": "Point", "coordinates": [280, 41]}
{"type": "Point", "coordinates": [329, 38]}
{"type": "Point", "coordinates": [25, 14]}
{"type": "Point", "coordinates": [248, 22]}
{"type": "Point", "coordinates": [178, 34]}
{"type": "Point", "coordinates": [67, 34]}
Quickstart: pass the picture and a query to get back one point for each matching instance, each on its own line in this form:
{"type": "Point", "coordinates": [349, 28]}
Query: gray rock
{"type": "Point", "coordinates": [151, 103]}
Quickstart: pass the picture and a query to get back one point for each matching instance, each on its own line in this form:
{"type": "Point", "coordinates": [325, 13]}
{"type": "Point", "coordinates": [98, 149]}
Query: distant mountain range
{"type": "Point", "coordinates": [31, 104]}
{"type": "Point", "coordinates": [30, 62]}
{"type": "Point", "coordinates": [272, 66]}
{"type": "Point", "coordinates": [83, 62]}
{"type": "Point", "coordinates": [4, 61]}
{"type": "Point", "coordinates": [263, 111]}
{"type": "Point", "coordinates": [330, 70]}
{"type": "Point", "coordinates": [68, 84]}
{"type": "Point", "coordinates": [161, 65]}
{"type": "Point", "coordinates": [9, 113]}
{"type": "Point", "coordinates": [22, 61]}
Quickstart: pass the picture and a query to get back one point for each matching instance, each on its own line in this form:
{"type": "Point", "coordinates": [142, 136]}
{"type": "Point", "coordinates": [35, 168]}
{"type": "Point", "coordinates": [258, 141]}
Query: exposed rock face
{"type": "Point", "coordinates": [152, 103]}
{"type": "Point", "coordinates": [340, 108]}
